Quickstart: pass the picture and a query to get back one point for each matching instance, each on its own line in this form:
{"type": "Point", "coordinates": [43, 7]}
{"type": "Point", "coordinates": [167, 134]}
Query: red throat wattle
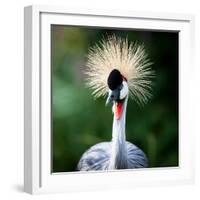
{"type": "Point", "coordinates": [118, 111]}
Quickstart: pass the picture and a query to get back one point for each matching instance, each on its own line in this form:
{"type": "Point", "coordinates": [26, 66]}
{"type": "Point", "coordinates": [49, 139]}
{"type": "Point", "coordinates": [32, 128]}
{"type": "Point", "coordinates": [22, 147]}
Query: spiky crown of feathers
{"type": "Point", "coordinates": [129, 58]}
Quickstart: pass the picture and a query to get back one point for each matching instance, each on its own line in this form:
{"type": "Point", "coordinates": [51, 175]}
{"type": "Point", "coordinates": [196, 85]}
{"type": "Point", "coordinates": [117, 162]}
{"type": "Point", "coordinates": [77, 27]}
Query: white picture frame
{"type": "Point", "coordinates": [37, 138]}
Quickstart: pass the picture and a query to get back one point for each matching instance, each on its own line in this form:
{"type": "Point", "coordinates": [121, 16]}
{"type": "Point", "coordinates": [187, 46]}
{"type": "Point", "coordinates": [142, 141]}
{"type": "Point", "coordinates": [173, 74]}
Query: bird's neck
{"type": "Point", "coordinates": [118, 159]}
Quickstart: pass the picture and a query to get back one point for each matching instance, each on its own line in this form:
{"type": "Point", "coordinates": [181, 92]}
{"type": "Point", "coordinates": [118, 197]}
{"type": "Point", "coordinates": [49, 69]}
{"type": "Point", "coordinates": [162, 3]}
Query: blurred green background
{"type": "Point", "coordinates": [79, 121]}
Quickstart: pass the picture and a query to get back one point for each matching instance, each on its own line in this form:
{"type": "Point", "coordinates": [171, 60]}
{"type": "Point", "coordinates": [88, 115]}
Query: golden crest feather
{"type": "Point", "coordinates": [129, 58]}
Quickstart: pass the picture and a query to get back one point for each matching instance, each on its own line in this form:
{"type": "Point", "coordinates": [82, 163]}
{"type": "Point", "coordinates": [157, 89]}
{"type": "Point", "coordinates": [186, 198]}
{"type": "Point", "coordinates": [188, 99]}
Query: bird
{"type": "Point", "coordinates": [117, 69]}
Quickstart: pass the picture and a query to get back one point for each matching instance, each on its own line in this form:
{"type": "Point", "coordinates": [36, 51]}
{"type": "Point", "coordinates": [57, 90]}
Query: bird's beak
{"type": "Point", "coordinates": [108, 100]}
{"type": "Point", "coordinates": [113, 97]}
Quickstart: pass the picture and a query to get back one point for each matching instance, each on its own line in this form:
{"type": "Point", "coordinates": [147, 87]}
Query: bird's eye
{"type": "Point", "coordinates": [124, 90]}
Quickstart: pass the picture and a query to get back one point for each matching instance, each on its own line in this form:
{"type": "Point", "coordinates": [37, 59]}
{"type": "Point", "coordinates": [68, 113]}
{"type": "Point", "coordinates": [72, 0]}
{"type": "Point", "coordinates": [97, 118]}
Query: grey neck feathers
{"type": "Point", "coordinates": [118, 159]}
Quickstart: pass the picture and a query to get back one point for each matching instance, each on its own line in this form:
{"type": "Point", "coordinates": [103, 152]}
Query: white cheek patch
{"type": "Point", "coordinates": [124, 90]}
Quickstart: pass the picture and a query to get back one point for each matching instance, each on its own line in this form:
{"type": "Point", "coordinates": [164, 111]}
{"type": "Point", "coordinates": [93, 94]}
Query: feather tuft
{"type": "Point", "coordinates": [129, 58]}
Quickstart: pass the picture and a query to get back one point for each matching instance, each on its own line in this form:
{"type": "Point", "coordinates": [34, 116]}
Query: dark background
{"type": "Point", "coordinates": [79, 121]}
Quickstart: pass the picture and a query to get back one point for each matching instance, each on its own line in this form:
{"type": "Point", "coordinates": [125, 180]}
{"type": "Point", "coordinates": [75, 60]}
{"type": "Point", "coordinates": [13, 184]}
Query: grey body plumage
{"type": "Point", "coordinates": [98, 157]}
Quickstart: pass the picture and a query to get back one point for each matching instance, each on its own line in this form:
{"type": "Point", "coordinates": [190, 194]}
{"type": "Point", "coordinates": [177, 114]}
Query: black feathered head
{"type": "Point", "coordinates": [114, 79]}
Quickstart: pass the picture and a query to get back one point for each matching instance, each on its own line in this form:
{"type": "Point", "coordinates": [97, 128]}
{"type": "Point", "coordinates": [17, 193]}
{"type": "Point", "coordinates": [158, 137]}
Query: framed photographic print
{"type": "Point", "coordinates": [106, 99]}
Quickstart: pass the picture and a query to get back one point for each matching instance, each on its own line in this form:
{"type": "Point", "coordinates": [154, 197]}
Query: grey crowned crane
{"type": "Point", "coordinates": [118, 69]}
